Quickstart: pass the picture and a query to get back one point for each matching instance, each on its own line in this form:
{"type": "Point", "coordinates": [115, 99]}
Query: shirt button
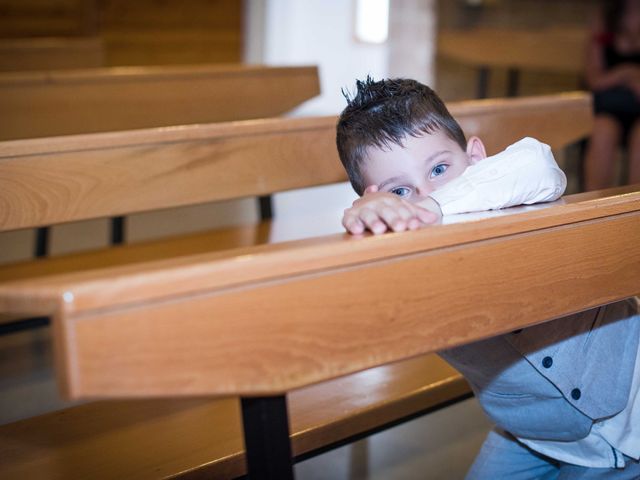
{"type": "Point", "coordinates": [576, 394]}
{"type": "Point", "coordinates": [547, 362]}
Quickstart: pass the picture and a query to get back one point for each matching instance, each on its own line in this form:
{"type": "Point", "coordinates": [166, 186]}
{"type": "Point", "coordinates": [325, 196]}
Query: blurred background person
{"type": "Point", "coordinates": [613, 74]}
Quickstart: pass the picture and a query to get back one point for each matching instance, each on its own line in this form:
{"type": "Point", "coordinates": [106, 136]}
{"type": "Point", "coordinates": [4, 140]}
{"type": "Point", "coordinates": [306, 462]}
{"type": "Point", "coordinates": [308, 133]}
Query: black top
{"type": "Point", "coordinates": [612, 57]}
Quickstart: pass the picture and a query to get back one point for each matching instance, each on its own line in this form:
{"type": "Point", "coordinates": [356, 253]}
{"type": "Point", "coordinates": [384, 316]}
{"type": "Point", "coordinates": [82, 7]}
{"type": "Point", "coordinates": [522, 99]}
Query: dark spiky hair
{"type": "Point", "coordinates": [383, 113]}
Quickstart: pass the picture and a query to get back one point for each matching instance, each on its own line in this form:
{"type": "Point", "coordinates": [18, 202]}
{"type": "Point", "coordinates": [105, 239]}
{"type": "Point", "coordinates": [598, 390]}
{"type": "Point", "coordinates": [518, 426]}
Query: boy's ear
{"type": "Point", "coordinates": [475, 150]}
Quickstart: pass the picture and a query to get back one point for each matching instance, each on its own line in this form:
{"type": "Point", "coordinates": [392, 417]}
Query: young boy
{"type": "Point", "coordinates": [565, 395]}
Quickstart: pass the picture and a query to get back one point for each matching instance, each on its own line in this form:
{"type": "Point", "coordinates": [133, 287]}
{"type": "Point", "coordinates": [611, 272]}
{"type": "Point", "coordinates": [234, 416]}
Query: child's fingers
{"type": "Point", "coordinates": [352, 224]}
{"type": "Point", "coordinates": [405, 213]}
{"type": "Point", "coordinates": [425, 216]}
{"type": "Point", "coordinates": [382, 212]}
{"type": "Point", "coordinates": [409, 214]}
{"type": "Point", "coordinates": [393, 219]}
{"type": "Point", "coordinates": [414, 224]}
{"type": "Point", "coordinates": [354, 227]}
{"type": "Point", "coordinates": [372, 220]}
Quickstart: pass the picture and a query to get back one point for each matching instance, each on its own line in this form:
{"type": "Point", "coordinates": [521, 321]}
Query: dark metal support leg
{"type": "Point", "coordinates": [117, 230]}
{"type": "Point", "coordinates": [42, 242]}
{"type": "Point", "coordinates": [265, 205]}
{"type": "Point", "coordinates": [266, 438]}
{"type": "Point", "coordinates": [22, 325]}
{"type": "Point", "coordinates": [513, 82]}
{"type": "Point", "coordinates": [580, 170]}
{"type": "Point", "coordinates": [483, 82]}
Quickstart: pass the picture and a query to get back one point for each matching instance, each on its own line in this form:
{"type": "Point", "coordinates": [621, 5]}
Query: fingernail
{"type": "Point", "coordinates": [399, 226]}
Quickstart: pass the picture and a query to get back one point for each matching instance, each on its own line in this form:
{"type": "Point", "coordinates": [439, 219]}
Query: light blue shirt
{"type": "Point", "coordinates": [608, 439]}
{"type": "Point", "coordinates": [563, 387]}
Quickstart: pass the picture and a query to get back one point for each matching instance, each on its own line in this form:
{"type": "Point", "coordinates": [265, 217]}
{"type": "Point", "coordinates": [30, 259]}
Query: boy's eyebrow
{"type": "Point", "coordinates": [435, 155]}
{"type": "Point", "coordinates": [390, 180]}
{"type": "Point", "coordinates": [398, 178]}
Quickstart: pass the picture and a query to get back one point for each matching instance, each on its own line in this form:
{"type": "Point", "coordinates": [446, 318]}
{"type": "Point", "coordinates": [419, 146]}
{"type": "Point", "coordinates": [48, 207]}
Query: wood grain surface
{"type": "Point", "coordinates": [54, 180]}
{"type": "Point", "coordinates": [43, 104]}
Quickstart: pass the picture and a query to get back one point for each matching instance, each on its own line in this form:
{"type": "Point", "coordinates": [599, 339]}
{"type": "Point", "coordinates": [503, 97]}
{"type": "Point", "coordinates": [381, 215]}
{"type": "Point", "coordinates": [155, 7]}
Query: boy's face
{"type": "Point", "coordinates": [420, 166]}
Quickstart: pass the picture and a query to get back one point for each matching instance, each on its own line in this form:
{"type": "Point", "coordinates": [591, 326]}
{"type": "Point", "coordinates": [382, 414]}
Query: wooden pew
{"type": "Point", "coordinates": [40, 104]}
{"type": "Point", "coordinates": [96, 288]}
{"type": "Point", "coordinates": [43, 104]}
{"type": "Point", "coordinates": [556, 50]}
{"type": "Point", "coordinates": [584, 217]}
{"type": "Point", "coordinates": [51, 53]}
{"type": "Point", "coordinates": [299, 152]}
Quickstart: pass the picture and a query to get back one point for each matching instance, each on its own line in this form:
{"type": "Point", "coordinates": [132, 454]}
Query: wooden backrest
{"type": "Point", "coordinates": [55, 180]}
{"type": "Point", "coordinates": [43, 104]}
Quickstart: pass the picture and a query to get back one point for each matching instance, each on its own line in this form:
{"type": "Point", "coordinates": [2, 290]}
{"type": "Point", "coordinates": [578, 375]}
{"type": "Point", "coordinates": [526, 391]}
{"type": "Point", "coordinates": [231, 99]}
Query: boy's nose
{"type": "Point", "coordinates": [423, 191]}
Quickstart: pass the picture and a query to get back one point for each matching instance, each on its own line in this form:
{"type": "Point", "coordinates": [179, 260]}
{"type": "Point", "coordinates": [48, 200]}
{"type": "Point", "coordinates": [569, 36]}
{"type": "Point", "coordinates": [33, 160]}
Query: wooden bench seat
{"type": "Point", "coordinates": [173, 247]}
{"type": "Point", "coordinates": [202, 438]}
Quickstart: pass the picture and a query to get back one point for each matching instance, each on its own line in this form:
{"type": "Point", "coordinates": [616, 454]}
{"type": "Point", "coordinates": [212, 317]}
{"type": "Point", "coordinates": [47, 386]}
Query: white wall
{"type": "Point", "coordinates": [412, 34]}
{"type": "Point", "coordinates": [321, 32]}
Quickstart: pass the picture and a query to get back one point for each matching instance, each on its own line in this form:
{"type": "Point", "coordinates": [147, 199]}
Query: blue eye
{"type": "Point", "coordinates": [439, 170]}
{"type": "Point", "coordinates": [401, 191]}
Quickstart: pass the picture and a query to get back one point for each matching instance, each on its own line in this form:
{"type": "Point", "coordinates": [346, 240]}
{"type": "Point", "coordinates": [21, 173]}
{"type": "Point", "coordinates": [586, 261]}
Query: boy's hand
{"type": "Point", "coordinates": [381, 211]}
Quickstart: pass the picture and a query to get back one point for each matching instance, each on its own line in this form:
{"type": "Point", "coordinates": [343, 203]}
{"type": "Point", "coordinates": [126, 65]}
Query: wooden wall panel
{"type": "Point", "coordinates": [155, 32]}
{"type": "Point", "coordinates": [141, 32]}
{"type": "Point", "coordinates": [46, 18]}
{"type": "Point", "coordinates": [57, 53]}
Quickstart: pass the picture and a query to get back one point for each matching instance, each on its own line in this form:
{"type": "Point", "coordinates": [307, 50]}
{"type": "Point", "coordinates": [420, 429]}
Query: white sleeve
{"type": "Point", "coordinates": [524, 173]}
